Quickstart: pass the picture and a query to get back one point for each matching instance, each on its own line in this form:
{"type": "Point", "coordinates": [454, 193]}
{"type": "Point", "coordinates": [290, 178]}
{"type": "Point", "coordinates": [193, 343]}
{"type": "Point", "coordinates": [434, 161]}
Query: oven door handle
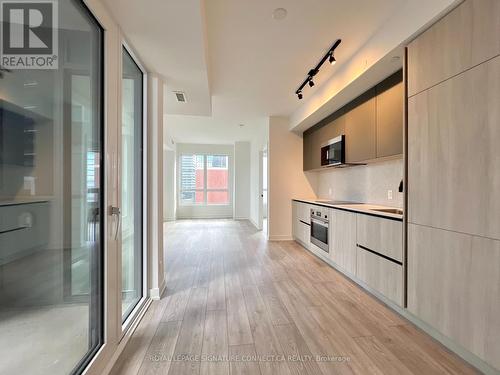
{"type": "Point", "coordinates": [322, 222]}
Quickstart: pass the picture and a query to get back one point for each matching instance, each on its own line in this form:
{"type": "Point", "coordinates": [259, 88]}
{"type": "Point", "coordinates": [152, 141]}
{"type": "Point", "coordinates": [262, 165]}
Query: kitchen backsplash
{"type": "Point", "coordinates": [367, 183]}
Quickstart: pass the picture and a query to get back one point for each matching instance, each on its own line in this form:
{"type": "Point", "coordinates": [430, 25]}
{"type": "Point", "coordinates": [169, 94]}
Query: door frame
{"type": "Point", "coordinates": [261, 190]}
{"type": "Point", "coordinates": [139, 307]}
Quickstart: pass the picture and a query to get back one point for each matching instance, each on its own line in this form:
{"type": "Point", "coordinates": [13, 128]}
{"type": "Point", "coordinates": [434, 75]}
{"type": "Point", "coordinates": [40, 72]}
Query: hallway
{"type": "Point", "coordinates": [237, 304]}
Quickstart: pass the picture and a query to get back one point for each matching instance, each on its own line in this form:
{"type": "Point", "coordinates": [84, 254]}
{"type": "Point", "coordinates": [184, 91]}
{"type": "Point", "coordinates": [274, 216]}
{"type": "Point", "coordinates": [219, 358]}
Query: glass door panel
{"type": "Point", "coordinates": [51, 204]}
{"type": "Point", "coordinates": [131, 184]}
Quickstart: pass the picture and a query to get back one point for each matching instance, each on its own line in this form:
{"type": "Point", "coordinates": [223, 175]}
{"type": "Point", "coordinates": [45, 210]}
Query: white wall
{"type": "Point", "coordinates": [242, 180]}
{"type": "Point", "coordinates": [365, 184]}
{"type": "Point", "coordinates": [286, 177]}
{"type": "Point", "coordinates": [205, 212]}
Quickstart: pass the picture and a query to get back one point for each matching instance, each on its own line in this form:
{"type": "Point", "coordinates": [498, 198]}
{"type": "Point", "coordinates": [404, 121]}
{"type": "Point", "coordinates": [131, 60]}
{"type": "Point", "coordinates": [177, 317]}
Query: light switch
{"type": "Point", "coordinates": [389, 195]}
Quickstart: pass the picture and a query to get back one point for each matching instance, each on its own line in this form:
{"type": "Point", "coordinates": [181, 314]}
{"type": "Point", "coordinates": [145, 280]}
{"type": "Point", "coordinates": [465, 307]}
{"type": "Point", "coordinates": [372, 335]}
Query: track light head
{"type": "Point", "coordinates": [311, 83]}
{"type": "Point", "coordinates": [299, 94]}
{"type": "Point", "coordinates": [331, 59]}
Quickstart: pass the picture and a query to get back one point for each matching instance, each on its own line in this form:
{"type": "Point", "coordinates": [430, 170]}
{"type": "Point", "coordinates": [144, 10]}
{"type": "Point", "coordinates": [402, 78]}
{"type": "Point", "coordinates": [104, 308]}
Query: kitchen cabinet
{"type": "Point", "coordinates": [342, 239]}
{"type": "Point", "coordinates": [314, 139]}
{"type": "Point", "coordinates": [465, 37]}
{"type": "Point", "coordinates": [380, 274]}
{"type": "Point", "coordinates": [454, 285]}
{"type": "Point", "coordinates": [372, 124]}
{"type": "Point", "coordinates": [384, 236]}
{"type": "Point", "coordinates": [390, 116]}
{"type": "Point", "coordinates": [453, 153]}
{"type": "Point", "coordinates": [360, 132]}
{"type": "Point", "coordinates": [301, 223]}
{"type": "Point", "coordinates": [24, 229]}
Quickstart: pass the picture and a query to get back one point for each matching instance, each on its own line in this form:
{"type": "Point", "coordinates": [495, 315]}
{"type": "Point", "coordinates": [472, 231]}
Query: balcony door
{"type": "Point", "coordinates": [51, 202]}
{"type": "Point", "coordinates": [131, 185]}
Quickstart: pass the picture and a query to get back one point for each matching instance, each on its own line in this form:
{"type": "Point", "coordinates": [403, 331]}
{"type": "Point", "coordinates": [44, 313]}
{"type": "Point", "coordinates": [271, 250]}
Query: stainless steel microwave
{"type": "Point", "coordinates": [333, 152]}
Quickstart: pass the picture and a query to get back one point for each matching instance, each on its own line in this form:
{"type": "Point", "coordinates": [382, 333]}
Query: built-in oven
{"type": "Point", "coordinates": [320, 228]}
{"type": "Point", "coordinates": [333, 152]}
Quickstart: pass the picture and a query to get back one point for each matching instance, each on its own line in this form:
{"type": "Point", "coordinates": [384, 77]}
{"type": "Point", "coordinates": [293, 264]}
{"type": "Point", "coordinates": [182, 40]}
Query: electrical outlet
{"type": "Point", "coordinates": [389, 195]}
{"type": "Point", "coordinates": [330, 192]}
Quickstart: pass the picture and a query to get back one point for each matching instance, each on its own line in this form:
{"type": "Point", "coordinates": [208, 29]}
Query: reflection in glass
{"type": "Point", "coordinates": [131, 185]}
{"type": "Point", "coordinates": [51, 205]}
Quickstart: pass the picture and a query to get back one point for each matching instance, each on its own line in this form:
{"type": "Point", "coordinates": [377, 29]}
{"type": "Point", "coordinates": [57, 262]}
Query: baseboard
{"type": "Point", "coordinates": [448, 343]}
{"type": "Point", "coordinates": [280, 237]}
{"type": "Point", "coordinates": [155, 293]}
{"type": "Point", "coordinates": [195, 217]}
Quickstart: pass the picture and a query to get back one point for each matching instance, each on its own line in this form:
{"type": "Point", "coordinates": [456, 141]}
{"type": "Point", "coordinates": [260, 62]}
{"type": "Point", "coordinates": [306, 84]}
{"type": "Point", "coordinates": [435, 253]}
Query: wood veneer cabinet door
{"type": "Point", "coordinates": [360, 132]}
{"type": "Point", "coordinates": [343, 240]}
{"type": "Point", "coordinates": [307, 150]}
{"type": "Point", "coordinates": [313, 141]}
{"type": "Point", "coordinates": [464, 38]}
{"type": "Point", "coordinates": [454, 153]}
{"type": "Point", "coordinates": [384, 236]}
{"type": "Point", "coordinates": [390, 121]}
{"type": "Point", "coordinates": [380, 274]}
{"type": "Point", "coordinates": [454, 285]}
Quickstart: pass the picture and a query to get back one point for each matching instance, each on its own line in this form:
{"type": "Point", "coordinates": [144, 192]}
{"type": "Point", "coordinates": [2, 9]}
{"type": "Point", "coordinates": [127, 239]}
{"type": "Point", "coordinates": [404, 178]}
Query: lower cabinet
{"type": "Point", "coordinates": [380, 274]}
{"type": "Point", "coordinates": [343, 240]}
{"type": "Point", "coordinates": [454, 286]}
{"type": "Point", "coordinates": [300, 228]}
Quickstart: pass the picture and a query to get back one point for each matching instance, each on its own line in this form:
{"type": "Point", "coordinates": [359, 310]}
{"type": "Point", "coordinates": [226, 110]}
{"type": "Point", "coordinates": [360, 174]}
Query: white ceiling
{"type": "Point", "coordinates": [170, 38]}
{"type": "Point", "coordinates": [243, 66]}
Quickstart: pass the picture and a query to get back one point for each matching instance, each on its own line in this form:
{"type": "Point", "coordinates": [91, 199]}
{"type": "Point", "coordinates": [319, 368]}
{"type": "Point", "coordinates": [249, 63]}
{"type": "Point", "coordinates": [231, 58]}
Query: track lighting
{"type": "Point", "coordinates": [332, 60]}
{"type": "Point", "coordinates": [309, 80]}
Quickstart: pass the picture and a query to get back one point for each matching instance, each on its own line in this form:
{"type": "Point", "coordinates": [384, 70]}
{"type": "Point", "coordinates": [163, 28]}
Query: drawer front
{"type": "Point", "coordinates": [304, 212]}
{"type": "Point", "coordinates": [25, 228]}
{"type": "Point", "coordinates": [380, 274]}
{"type": "Point", "coordinates": [383, 236]}
{"type": "Point", "coordinates": [303, 233]}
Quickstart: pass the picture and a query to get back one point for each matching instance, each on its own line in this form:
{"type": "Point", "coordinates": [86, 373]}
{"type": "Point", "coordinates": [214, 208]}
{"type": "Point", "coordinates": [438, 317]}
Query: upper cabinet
{"type": "Point", "coordinates": [372, 124]}
{"type": "Point", "coordinates": [467, 37]}
{"type": "Point", "coordinates": [390, 121]}
{"type": "Point", "coordinates": [360, 132]}
{"type": "Point", "coordinates": [314, 139]}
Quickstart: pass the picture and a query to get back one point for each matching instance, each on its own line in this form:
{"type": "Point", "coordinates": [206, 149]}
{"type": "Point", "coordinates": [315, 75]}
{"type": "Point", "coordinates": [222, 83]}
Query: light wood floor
{"type": "Point", "coordinates": [237, 304]}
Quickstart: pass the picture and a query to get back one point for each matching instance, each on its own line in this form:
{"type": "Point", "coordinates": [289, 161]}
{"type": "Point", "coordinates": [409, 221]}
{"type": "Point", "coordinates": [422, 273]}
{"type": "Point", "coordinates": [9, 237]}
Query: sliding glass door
{"type": "Point", "coordinates": [131, 185]}
{"type": "Point", "coordinates": [51, 199]}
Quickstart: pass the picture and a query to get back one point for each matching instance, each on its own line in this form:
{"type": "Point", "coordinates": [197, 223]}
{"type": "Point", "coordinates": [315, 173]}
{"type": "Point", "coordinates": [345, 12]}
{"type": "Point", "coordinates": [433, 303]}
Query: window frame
{"type": "Point", "coordinates": [205, 189]}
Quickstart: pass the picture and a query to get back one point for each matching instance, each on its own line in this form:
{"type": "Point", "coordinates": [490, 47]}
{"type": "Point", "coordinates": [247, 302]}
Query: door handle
{"type": "Point", "coordinates": [115, 211]}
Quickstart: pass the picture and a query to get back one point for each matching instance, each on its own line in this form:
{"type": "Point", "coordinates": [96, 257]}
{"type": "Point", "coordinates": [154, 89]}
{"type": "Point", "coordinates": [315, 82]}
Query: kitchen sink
{"type": "Point", "coordinates": [396, 211]}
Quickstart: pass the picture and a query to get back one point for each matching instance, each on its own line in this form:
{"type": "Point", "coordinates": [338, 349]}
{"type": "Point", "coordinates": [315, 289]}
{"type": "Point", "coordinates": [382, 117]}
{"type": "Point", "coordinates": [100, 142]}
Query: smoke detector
{"type": "Point", "coordinates": [180, 96]}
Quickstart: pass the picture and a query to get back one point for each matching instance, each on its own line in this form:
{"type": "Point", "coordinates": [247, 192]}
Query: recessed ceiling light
{"type": "Point", "coordinates": [279, 13]}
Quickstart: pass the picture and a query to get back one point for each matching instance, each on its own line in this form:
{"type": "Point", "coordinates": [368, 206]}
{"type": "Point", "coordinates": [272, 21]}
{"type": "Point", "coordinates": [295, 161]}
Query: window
{"type": "Point", "coordinates": [204, 179]}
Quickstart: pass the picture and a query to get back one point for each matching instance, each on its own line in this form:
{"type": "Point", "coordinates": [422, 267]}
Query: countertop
{"type": "Point", "coordinates": [364, 208]}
